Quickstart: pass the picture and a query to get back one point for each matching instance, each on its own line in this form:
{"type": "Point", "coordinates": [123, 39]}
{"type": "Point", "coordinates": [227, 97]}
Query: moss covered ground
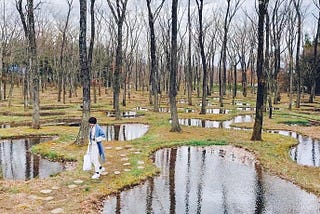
{"type": "Point", "coordinates": [87, 196]}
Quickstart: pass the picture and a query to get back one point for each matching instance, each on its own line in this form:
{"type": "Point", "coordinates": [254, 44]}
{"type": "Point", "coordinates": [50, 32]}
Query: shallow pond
{"type": "Point", "coordinates": [307, 152]}
{"type": "Point", "coordinates": [211, 180]}
{"type": "Point", "coordinates": [124, 132]}
{"type": "Point", "coordinates": [18, 163]}
{"type": "Point", "coordinates": [215, 124]}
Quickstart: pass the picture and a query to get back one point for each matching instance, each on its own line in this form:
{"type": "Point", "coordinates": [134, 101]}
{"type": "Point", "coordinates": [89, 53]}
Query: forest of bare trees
{"type": "Point", "coordinates": [164, 47]}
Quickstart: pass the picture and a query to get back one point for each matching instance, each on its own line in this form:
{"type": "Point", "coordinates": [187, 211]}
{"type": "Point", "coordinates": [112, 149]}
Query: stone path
{"type": "Point", "coordinates": [45, 194]}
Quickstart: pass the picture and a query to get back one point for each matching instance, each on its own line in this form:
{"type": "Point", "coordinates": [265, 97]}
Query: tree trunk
{"type": "Point", "coordinates": [154, 76]}
{"type": "Point", "coordinates": [119, 15]}
{"type": "Point", "coordinates": [175, 126]}
{"type": "Point", "coordinates": [257, 128]}
{"type": "Point", "coordinates": [203, 59]}
{"type": "Point", "coordinates": [297, 6]}
{"type": "Point", "coordinates": [33, 65]}
{"type": "Point", "coordinates": [189, 69]}
{"type": "Point", "coordinates": [82, 137]}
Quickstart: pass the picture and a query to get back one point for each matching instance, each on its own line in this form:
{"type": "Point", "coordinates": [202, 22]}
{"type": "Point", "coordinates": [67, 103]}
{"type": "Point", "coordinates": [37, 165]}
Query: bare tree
{"type": "Point", "coordinates": [85, 74]}
{"type": "Point", "coordinates": [118, 11]}
{"type": "Point", "coordinates": [223, 59]}
{"type": "Point", "coordinates": [61, 73]}
{"type": "Point", "coordinates": [29, 29]}
{"type": "Point", "coordinates": [290, 37]}
{"type": "Point", "coordinates": [189, 69]}
{"type": "Point", "coordinates": [297, 6]}
{"type": "Point", "coordinates": [257, 128]}
{"type": "Point", "coordinates": [175, 126]}
{"type": "Point", "coordinates": [315, 63]}
{"type": "Point", "coordinates": [203, 58]}
{"type": "Point", "coordinates": [154, 76]}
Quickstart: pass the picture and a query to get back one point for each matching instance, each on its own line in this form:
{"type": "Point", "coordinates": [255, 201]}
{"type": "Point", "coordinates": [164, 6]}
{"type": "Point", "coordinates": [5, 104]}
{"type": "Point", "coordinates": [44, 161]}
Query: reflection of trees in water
{"type": "Point", "coordinates": [200, 184]}
{"type": "Point", "coordinates": [259, 207]}
{"type": "Point", "coordinates": [172, 169]}
{"type": "Point", "coordinates": [18, 163]}
{"type": "Point", "coordinates": [188, 185]}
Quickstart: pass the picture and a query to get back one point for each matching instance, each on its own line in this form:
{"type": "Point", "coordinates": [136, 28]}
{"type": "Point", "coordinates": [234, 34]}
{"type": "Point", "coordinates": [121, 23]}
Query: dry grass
{"type": "Point", "coordinates": [272, 153]}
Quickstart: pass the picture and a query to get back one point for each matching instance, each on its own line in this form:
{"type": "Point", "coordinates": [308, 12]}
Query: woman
{"type": "Point", "coordinates": [95, 147]}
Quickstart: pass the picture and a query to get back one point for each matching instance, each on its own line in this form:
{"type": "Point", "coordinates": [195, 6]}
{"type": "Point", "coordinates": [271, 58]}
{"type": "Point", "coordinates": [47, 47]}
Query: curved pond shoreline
{"type": "Point", "coordinates": [204, 178]}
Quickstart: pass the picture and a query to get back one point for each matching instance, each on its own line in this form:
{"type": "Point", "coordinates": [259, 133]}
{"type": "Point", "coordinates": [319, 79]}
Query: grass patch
{"type": "Point", "coordinates": [205, 143]}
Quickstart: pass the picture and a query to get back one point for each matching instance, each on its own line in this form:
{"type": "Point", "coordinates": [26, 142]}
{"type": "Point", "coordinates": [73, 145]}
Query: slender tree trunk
{"type": "Point", "coordinates": [175, 126]}
{"type": "Point", "coordinates": [85, 73]}
{"type": "Point", "coordinates": [119, 13]}
{"type": "Point", "coordinates": [315, 66]}
{"type": "Point", "coordinates": [154, 76]}
{"type": "Point", "coordinates": [297, 5]}
{"type": "Point", "coordinates": [257, 128]}
{"type": "Point", "coordinates": [189, 69]}
{"type": "Point", "coordinates": [203, 59]}
{"type": "Point", "coordinates": [33, 65]}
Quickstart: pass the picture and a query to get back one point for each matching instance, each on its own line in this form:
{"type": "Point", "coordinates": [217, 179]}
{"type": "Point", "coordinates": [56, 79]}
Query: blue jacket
{"type": "Point", "coordinates": [99, 136]}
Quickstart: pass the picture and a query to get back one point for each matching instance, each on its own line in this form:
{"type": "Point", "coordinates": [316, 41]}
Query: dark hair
{"type": "Point", "coordinates": [92, 120]}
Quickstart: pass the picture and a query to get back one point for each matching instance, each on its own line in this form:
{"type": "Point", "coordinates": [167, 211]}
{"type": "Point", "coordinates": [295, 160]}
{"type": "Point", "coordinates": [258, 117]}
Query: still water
{"type": "Point", "coordinates": [124, 132]}
{"type": "Point", "coordinates": [306, 152]}
{"type": "Point", "coordinates": [211, 180]}
{"type": "Point", "coordinates": [18, 163]}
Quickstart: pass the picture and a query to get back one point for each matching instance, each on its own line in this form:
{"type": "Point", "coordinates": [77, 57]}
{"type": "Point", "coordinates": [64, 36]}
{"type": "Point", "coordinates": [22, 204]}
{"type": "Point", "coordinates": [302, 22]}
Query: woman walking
{"type": "Point", "coordinates": [95, 147]}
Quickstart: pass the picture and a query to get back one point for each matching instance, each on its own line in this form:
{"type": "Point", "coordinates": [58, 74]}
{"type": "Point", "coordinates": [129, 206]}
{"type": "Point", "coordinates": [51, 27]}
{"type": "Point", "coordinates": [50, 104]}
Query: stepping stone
{"type": "Point", "coordinates": [117, 172]}
{"type": "Point", "coordinates": [140, 167]}
{"type": "Point", "coordinates": [108, 148]}
{"type": "Point", "coordinates": [119, 148]}
{"type": "Point", "coordinates": [55, 187]}
{"type": "Point", "coordinates": [127, 170]}
{"type": "Point", "coordinates": [56, 211]}
{"type": "Point", "coordinates": [136, 152]}
{"type": "Point", "coordinates": [72, 186]}
{"type": "Point", "coordinates": [49, 198]}
{"type": "Point", "coordinates": [126, 164]}
{"type": "Point", "coordinates": [124, 159]}
{"type": "Point", "coordinates": [46, 191]}
{"type": "Point", "coordinates": [140, 162]}
{"type": "Point", "coordinates": [78, 181]}
{"type": "Point", "coordinates": [123, 155]}
{"type": "Point", "coordinates": [34, 197]}
{"type": "Point", "coordinates": [104, 173]}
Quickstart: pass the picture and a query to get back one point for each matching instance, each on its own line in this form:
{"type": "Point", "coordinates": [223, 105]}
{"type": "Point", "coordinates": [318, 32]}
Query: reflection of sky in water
{"type": "Point", "coordinates": [125, 132]}
{"type": "Point", "coordinates": [307, 152]}
{"type": "Point", "coordinates": [18, 163]}
{"type": "Point", "coordinates": [208, 180]}
{"type": "Point", "coordinates": [215, 124]}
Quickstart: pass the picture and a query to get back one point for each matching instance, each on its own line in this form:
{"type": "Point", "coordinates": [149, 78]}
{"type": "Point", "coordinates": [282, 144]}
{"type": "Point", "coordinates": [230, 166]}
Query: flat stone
{"type": "Point", "coordinates": [123, 155]}
{"type": "Point", "coordinates": [55, 187]}
{"type": "Point", "coordinates": [136, 152]}
{"type": "Point", "coordinates": [78, 181]}
{"type": "Point", "coordinates": [126, 164]}
{"type": "Point", "coordinates": [124, 159]}
{"type": "Point", "coordinates": [34, 197]}
{"type": "Point", "coordinates": [117, 172]}
{"type": "Point", "coordinates": [119, 148]}
{"type": "Point", "coordinates": [46, 191]}
{"type": "Point", "coordinates": [127, 170]}
{"type": "Point", "coordinates": [140, 167]}
{"type": "Point", "coordinates": [56, 211]}
{"type": "Point", "coordinates": [49, 198]}
{"type": "Point", "coordinates": [128, 146]}
{"type": "Point", "coordinates": [72, 186]}
{"type": "Point", "coordinates": [140, 162]}
{"type": "Point", "coordinates": [108, 148]}
{"type": "Point", "coordinates": [104, 173]}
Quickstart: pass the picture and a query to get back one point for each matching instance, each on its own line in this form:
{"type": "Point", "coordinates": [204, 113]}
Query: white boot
{"type": "Point", "coordinates": [96, 175]}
